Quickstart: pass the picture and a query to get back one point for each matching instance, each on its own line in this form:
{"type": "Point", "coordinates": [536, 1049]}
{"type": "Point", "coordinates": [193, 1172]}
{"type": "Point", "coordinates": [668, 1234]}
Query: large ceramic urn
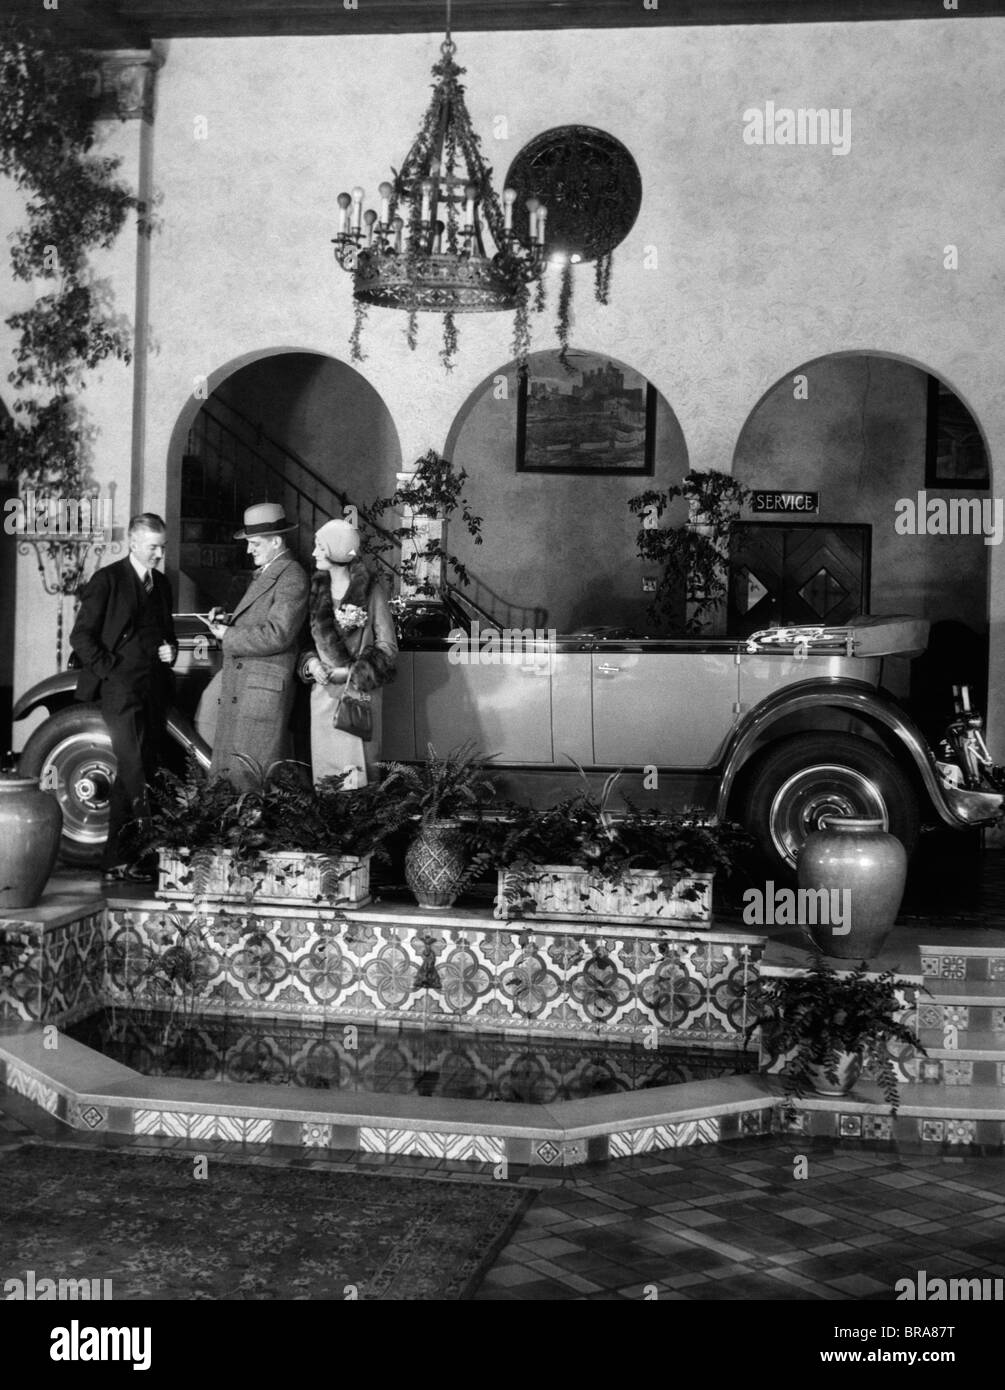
{"type": "Point", "coordinates": [31, 822]}
{"type": "Point", "coordinates": [862, 870]}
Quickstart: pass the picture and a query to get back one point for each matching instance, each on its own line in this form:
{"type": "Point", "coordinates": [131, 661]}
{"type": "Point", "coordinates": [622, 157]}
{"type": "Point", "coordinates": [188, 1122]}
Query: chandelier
{"type": "Point", "coordinates": [433, 258]}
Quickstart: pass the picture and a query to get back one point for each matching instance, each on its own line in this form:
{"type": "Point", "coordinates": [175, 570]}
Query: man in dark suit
{"type": "Point", "coordinates": [124, 639]}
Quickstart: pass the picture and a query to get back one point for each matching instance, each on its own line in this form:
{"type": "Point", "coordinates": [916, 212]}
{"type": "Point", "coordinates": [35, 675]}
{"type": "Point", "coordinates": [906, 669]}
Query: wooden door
{"type": "Point", "coordinates": [797, 573]}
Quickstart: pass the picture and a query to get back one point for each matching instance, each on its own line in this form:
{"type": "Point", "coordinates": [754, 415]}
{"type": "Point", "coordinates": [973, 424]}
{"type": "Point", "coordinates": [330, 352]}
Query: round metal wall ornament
{"type": "Point", "coordinates": [589, 183]}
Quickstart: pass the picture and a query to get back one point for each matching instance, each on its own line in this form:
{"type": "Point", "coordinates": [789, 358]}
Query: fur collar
{"type": "Point", "coordinates": [334, 644]}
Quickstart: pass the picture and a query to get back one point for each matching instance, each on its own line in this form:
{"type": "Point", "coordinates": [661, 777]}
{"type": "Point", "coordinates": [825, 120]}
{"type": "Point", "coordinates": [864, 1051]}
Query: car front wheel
{"type": "Point", "coordinates": [800, 781]}
{"type": "Point", "coordinates": [71, 755]}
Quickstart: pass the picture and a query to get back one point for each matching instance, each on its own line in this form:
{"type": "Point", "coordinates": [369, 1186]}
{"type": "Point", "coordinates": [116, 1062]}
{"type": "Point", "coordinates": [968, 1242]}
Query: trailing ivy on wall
{"type": "Point", "coordinates": [75, 205]}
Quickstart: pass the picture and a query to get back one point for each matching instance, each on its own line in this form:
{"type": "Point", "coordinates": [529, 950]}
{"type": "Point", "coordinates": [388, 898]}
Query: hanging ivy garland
{"type": "Point", "coordinates": [75, 206]}
{"type": "Point", "coordinates": [564, 305]}
{"type": "Point", "coordinates": [593, 192]}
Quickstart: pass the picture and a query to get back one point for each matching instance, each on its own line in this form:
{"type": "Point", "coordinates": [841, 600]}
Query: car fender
{"type": "Point", "coordinates": [56, 692]}
{"type": "Point", "coordinates": [53, 693]}
{"type": "Point", "coordinates": [955, 806]}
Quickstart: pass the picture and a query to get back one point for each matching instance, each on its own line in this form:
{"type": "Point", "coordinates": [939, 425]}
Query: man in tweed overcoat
{"type": "Point", "coordinates": [260, 644]}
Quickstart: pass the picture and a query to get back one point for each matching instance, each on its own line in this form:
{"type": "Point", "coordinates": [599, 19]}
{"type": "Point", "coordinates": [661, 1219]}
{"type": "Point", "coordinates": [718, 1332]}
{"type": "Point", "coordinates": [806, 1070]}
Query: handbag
{"type": "Point", "coordinates": [354, 711]}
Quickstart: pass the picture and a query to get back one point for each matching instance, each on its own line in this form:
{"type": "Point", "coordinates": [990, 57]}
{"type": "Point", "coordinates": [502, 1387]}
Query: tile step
{"type": "Point", "coordinates": [967, 1041]}
{"type": "Point", "coordinates": [965, 1054]}
{"type": "Point", "coordinates": [965, 1013]}
{"type": "Point", "coordinates": [985, 992]}
{"type": "Point", "coordinates": [959, 1071]}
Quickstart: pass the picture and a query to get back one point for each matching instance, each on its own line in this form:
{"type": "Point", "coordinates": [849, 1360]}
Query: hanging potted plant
{"type": "Point", "coordinates": [693, 558]}
{"type": "Point", "coordinates": [441, 794]}
{"type": "Point", "coordinates": [825, 1027]}
{"type": "Point", "coordinates": [577, 860]}
{"type": "Point", "coordinates": [279, 842]}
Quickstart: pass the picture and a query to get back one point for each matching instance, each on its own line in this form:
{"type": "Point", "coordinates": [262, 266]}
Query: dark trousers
{"type": "Point", "coordinates": [134, 713]}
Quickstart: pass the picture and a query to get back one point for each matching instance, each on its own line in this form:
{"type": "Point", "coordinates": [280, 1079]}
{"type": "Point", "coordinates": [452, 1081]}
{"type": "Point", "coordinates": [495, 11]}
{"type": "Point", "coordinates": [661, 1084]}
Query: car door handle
{"type": "Point", "coordinates": [604, 670]}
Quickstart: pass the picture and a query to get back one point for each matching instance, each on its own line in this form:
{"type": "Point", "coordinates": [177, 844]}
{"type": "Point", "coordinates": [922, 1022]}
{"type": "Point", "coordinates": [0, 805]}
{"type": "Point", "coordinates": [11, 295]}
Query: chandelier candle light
{"type": "Point", "coordinates": [434, 258]}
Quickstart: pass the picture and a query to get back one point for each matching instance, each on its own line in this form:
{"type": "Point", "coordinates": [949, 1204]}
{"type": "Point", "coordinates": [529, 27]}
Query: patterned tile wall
{"type": "Point", "coordinates": [942, 963]}
{"type": "Point", "coordinates": [669, 1136]}
{"type": "Point", "coordinates": [56, 974]}
{"type": "Point", "coordinates": [32, 1088]}
{"type": "Point", "coordinates": [477, 1148]}
{"type": "Point", "coordinates": [237, 1129]}
{"type": "Point", "coordinates": [500, 977]}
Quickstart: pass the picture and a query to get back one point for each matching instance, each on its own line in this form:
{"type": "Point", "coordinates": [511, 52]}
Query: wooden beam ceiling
{"type": "Point", "coordinates": [133, 23]}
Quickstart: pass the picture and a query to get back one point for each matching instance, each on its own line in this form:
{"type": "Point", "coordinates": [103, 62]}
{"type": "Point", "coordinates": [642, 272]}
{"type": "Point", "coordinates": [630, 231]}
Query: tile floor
{"type": "Point", "coordinates": [733, 1221]}
{"type": "Point", "coordinates": [717, 1221]}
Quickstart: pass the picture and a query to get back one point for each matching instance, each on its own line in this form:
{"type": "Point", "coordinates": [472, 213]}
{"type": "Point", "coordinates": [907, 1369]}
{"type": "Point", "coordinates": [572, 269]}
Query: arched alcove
{"type": "Point", "coordinates": [285, 425]}
{"type": "Point", "coordinates": [560, 536]}
{"type": "Point", "coordinates": [860, 429]}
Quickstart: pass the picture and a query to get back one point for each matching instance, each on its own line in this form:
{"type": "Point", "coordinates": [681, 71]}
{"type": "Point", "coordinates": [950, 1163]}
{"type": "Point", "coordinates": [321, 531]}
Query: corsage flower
{"type": "Point", "coordinates": [350, 616]}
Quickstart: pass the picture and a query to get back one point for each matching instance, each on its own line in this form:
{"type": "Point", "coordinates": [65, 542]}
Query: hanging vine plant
{"type": "Point", "coordinates": [692, 558]}
{"type": "Point", "coordinates": [75, 205]}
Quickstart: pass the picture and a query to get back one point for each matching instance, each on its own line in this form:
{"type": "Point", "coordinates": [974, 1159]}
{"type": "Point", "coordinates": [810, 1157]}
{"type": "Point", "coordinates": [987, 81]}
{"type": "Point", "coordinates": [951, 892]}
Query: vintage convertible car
{"type": "Point", "coordinates": [776, 730]}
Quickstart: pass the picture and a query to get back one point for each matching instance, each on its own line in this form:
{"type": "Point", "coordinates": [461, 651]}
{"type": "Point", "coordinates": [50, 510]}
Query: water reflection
{"type": "Point", "coordinates": [472, 1066]}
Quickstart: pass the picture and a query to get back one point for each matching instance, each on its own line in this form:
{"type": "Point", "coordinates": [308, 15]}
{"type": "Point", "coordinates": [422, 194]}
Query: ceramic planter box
{"type": "Point", "coordinates": [290, 877]}
{"type": "Point", "coordinates": [560, 893]}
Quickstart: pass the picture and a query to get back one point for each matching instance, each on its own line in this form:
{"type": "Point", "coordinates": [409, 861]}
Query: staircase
{"type": "Point", "coordinates": [230, 462]}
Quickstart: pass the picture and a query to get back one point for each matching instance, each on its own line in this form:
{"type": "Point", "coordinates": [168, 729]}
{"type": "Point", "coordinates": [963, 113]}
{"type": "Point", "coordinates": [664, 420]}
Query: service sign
{"type": "Point", "coordinates": [786, 502]}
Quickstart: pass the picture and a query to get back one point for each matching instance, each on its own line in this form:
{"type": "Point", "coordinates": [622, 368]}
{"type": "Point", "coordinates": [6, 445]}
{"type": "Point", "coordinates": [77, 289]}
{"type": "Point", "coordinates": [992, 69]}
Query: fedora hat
{"type": "Point", "coordinates": [264, 519]}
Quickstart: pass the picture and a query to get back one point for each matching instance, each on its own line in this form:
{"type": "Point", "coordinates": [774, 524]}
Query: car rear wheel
{"type": "Point", "coordinates": [811, 776]}
{"type": "Point", "coordinates": [71, 755]}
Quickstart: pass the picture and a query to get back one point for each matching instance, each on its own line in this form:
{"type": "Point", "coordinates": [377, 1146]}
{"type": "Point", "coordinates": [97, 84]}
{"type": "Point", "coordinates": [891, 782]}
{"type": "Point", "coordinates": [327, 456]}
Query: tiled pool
{"type": "Point", "coordinates": [346, 1057]}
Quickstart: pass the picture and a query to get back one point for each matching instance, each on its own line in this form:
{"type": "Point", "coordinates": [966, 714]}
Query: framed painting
{"type": "Point", "coordinates": [596, 417]}
{"type": "Point", "coordinates": [955, 455]}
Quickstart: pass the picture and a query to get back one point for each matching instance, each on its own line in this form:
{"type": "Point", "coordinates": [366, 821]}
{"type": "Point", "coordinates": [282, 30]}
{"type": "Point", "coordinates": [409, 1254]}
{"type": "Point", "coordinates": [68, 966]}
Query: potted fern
{"type": "Point", "coordinates": [281, 841]}
{"type": "Point", "coordinates": [578, 860]}
{"type": "Point", "coordinates": [440, 794]}
{"type": "Point", "coordinates": [826, 1026]}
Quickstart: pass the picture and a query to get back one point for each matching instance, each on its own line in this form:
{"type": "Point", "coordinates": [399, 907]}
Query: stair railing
{"type": "Point", "coordinates": [225, 465]}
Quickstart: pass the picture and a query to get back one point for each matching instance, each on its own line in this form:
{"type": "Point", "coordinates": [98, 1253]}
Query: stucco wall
{"type": "Point", "coordinates": [564, 542]}
{"type": "Point", "coordinates": [765, 257]}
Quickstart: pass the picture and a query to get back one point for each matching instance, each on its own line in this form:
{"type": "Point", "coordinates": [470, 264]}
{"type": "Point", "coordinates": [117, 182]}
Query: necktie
{"type": "Point", "coordinates": [148, 582]}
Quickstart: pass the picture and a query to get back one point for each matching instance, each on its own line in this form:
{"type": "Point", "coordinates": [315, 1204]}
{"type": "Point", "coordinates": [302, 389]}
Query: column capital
{"type": "Point", "coordinates": [125, 83]}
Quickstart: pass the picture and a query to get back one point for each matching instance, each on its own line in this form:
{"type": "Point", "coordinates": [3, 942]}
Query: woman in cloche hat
{"type": "Point", "coordinates": [354, 643]}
